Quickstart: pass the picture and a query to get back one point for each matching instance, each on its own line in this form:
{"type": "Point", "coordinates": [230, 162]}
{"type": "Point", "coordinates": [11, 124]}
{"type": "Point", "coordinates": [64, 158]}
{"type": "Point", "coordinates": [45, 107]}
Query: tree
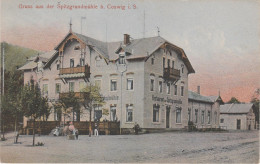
{"type": "Point", "coordinates": [33, 104]}
{"type": "Point", "coordinates": [11, 100]}
{"type": "Point", "coordinates": [255, 100]}
{"type": "Point", "coordinates": [5, 115]}
{"type": "Point", "coordinates": [234, 100]}
{"type": "Point", "coordinates": [69, 103]}
{"type": "Point", "coordinates": [91, 97]}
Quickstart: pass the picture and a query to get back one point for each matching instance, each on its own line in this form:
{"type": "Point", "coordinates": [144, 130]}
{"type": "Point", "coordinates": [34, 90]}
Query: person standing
{"type": "Point", "coordinates": [96, 130]}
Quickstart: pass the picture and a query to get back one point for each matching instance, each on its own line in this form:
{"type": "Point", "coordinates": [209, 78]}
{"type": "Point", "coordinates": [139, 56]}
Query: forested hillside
{"type": "Point", "coordinates": [16, 56]}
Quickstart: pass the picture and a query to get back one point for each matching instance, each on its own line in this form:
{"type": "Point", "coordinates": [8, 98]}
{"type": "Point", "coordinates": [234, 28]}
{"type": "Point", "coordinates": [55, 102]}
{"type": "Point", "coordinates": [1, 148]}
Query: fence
{"type": "Point", "coordinates": [45, 127]}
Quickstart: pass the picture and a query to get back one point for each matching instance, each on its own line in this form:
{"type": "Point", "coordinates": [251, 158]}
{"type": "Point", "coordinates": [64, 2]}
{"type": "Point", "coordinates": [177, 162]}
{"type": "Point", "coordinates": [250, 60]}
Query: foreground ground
{"type": "Point", "coordinates": [174, 147]}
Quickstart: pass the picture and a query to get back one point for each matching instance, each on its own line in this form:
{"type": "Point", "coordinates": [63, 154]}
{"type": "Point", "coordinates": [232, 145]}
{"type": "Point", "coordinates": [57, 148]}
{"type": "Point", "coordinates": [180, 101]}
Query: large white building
{"type": "Point", "coordinates": [143, 81]}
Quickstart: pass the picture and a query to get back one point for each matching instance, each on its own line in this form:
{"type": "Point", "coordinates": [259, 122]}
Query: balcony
{"type": "Point", "coordinates": [79, 95]}
{"type": "Point", "coordinates": [171, 74]}
{"type": "Point", "coordinates": [81, 71]}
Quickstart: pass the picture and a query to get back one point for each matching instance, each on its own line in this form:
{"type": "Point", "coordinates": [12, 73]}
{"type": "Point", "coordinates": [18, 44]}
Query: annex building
{"type": "Point", "coordinates": [237, 116]}
{"type": "Point", "coordinates": [143, 81]}
{"type": "Point", "coordinates": [204, 111]}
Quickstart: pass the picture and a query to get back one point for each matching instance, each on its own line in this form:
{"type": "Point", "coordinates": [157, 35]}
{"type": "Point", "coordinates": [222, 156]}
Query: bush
{"type": "Point", "coordinates": [39, 144]}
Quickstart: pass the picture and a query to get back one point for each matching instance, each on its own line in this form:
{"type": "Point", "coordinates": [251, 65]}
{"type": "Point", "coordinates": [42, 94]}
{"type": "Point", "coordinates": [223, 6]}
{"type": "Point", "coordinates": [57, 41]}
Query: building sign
{"type": "Point", "coordinates": [168, 100]}
{"type": "Point", "coordinates": [106, 98]}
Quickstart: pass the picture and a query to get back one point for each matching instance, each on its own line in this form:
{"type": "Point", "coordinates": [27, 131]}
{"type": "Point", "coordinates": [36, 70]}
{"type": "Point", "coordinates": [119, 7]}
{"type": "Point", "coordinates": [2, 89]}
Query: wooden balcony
{"type": "Point", "coordinates": [82, 70]}
{"type": "Point", "coordinates": [171, 74]}
{"type": "Point", "coordinates": [79, 95]}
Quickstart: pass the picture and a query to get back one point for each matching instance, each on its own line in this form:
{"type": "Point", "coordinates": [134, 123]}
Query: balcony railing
{"type": "Point", "coordinates": [171, 74]}
{"type": "Point", "coordinates": [74, 70]}
{"type": "Point", "coordinates": [79, 95]}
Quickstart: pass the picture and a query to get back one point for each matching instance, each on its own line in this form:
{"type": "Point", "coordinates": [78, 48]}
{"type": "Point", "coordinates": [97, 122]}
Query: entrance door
{"type": "Point", "coordinates": [238, 124]}
{"type": "Point", "coordinates": [167, 117]}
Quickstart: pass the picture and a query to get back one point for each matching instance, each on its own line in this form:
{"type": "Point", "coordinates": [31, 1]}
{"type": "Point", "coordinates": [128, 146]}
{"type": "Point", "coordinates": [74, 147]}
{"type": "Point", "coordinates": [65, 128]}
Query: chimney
{"type": "Point", "coordinates": [198, 89]}
{"type": "Point", "coordinates": [126, 39]}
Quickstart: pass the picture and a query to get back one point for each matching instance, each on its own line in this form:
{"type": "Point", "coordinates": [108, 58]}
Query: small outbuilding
{"type": "Point", "coordinates": [237, 116]}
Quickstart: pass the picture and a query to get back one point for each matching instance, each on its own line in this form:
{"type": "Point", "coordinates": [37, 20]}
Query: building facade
{"type": "Point", "coordinates": [143, 81]}
{"type": "Point", "coordinates": [204, 111]}
{"type": "Point", "coordinates": [237, 116]}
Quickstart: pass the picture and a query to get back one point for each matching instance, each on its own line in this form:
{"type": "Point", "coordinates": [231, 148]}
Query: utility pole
{"type": "Point", "coordinates": [158, 30]}
{"type": "Point", "coordinates": [144, 26]}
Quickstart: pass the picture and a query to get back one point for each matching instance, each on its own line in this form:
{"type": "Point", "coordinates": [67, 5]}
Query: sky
{"type": "Point", "coordinates": [220, 37]}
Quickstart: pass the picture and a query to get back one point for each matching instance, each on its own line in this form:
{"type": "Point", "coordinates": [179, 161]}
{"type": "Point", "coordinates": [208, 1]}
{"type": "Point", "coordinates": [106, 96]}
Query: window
{"type": "Point", "coordinates": [71, 86]}
{"type": "Point", "coordinates": [121, 59]}
{"type": "Point", "coordinates": [129, 113]}
{"type": "Point", "coordinates": [152, 61]}
{"type": "Point", "coordinates": [216, 117]}
{"type": "Point", "coordinates": [97, 112]}
{"type": "Point", "coordinates": [222, 120]}
{"type": "Point", "coordinates": [168, 85]}
{"type": "Point", "coordinates": [82, 85]}
{"type": "Point", "coordinates": [175, 90]}
{"type": "Point", "coordinates": [98, 61]}
{"type": "Point", "coordinates": [168, 63]}
{"type": "Point", "coordinates": [182, 90]}
{"type": "Point", "coordinates": [160, 86]}
{"type": "Point", "coordinates": [208, 117]}
{"type": "Point", "coordinates": [163, 62]}
{"type": "Point", "coordinates": [58, 66]}
{"type": "Point", "coordinates": [113, 85]}
{"type": "Point", "coordinates": [98, 83]}
{"type": "Point", "coordinates": [57, 88]}
{"type": "Point", "coordinates": [196, 115]}
{"type": "Point", "coordinates": [113, 113]}
{"type": "Point", "coordinates": [172, 64]}
{"type": "Point", "coordinates": [189, 114]}
{"type": "Point", "coordinates": [57, 115]}
{"type": "Point", "coordinates": [45, 89]}
{"type": "Point", "coordinates": [182, 68]}
{"type": "Point", "coordinates": [178, 115]}
{"type": "Point", "coordinates": [130, 84]}
{"type": "Point", "coordinates": [152, 85]}
{"type": "Point", "coordinates": [156, 109]}
{"type": "Point", "coordinates": [82, 62]}
{"type": "Point", "coordinates": [202, 117]}
{"type": "Point", "coordinates": [71, 63]}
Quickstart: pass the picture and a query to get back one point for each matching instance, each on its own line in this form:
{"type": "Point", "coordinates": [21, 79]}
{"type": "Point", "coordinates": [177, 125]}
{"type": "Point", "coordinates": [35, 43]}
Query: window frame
{"type": "Point", "coordinates": [58, 84]}
{"type": "Point", "coordinates": [129, 109]}
{"type": "Point", "coordinates": [71, 86]}
{"type": "Point", "coordinates": [152, 81]}
{"type": "Point", "coordinates": [178, 113]}
{"type": "Point", "coordinates": [72, 63]}
{"type": "Point", "coordinates": [113, 81]}
{"type": "Point", "coordinates": [156, 113]}
{"type": "Point", "coordinates": [131, 85]}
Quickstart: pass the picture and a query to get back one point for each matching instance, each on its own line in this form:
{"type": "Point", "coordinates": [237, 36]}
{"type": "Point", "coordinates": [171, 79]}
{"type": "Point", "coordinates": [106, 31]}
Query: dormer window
{"type": "Point", "coordinates": [121, 59]}
{"type": "Point", "coordinates": [76, 48]}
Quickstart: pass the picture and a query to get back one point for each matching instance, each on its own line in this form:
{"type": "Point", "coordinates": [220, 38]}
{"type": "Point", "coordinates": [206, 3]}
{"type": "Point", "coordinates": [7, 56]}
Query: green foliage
{"type": "Point", "coordinates": [68, 102]}
{"type": "Point", "coordinates": [33, 104]}
{"type": "Point", "coordinates": [16, 56]}
{"type": "Point", "coordinates": [234, 100]}
{"type": "Point", "coordinates": [92, 96]}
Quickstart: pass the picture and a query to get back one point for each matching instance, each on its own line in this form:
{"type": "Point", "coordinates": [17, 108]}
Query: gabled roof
{"type": "Point", "coordinates": [197, 97]}
{"type": "Point", "coordinates": [137, 48]}
{"type": "Point", "coordinates": [28, 66]}
{"type": "Point", "coordinates": [236, 108]}
{"type": "Point", "coordinates": [216, 98]}
{"type": "Point", "coordinates": [32, 61]}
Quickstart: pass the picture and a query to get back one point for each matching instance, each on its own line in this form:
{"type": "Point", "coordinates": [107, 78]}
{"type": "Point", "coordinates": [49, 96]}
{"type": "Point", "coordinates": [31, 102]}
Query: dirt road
{"type": "Point", "coordinates": [174, 147]}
